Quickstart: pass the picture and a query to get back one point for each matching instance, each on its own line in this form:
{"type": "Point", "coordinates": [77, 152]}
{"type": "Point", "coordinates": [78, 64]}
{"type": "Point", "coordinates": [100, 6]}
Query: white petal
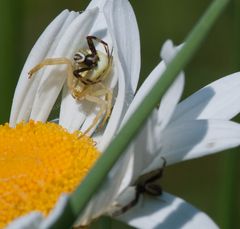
{"type": "Point", "coordinates": [218, 100]}
{"type": "Point", "coordinates": [96, 3]}
{"type": "Point", "coordinates": [123, 23]}
{"type": "Point", "coordinates": [54, 77]}
{"type": "Point", "coordinates": [30, 221]}
{"type": "Point", "coordinates": [170, 101]}
{"type": "Point", "coordinates": [72, 112]}
{"type": "Point", "coordinates": [167, 211]}
{"type": "Point", "coordinates": [173, 94]}
{"type": "Point", "coordinates": [55, 213]}
{"type": "Point", "coordinates": [38, 52]}
{"type": "Point", "coordinates": [27, 104]}
{"type": "Point", "coordinates": [192, 139]}
{"type": "Point", "coordinates": [145, 88]}
{"type": "Point", "coordinates": [168, 51]}
{"type": "Point", "coordinates": [143, 150]}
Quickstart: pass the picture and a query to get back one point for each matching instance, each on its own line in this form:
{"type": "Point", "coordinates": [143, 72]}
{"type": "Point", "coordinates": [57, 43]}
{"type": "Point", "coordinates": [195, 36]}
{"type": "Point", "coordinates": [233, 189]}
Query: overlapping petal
{"type": "Point", "coordinates": [33, 99]}
{"type": "Point", "coordinates": [21, 106]}
{"type": "Point", "coordinates": [197, 138]}
{"type": "Point", "coordinates": [218, 100]}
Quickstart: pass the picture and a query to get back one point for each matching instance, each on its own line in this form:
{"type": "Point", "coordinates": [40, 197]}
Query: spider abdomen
{"type": "Point", "coordinates": [97, 73]}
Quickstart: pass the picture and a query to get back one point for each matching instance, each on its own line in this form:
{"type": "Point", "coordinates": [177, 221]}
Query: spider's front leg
{"type": "Point", "coordinates": [52, 61]}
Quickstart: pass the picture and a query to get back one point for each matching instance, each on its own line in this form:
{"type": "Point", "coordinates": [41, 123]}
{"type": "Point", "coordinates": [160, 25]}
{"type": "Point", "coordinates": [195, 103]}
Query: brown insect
{"type": "Point", "coordinates": [147, 183]}
{"type": "Point", "coordinates": [85, 74]}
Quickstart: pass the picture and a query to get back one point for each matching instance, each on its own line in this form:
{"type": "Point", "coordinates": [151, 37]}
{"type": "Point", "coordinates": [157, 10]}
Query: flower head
{"type": "Point", "coordinates": [39, 163]}
{"type": "Point", "coordinates": [175, 131]}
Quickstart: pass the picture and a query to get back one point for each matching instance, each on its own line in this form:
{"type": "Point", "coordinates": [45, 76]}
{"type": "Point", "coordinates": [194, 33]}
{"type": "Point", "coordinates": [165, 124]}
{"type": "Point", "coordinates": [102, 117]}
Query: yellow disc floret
{"type": "Point", "coordinates": [39, 162]}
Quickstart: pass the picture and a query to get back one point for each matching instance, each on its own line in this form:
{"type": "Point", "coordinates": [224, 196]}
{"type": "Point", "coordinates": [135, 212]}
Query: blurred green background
{"type": "Point", "coordinates": [203, 182]}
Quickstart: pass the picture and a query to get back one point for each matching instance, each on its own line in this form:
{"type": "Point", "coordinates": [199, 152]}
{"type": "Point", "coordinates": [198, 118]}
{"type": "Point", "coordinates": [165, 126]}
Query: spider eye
{"type": "Point", "coordinates": [79, 57]}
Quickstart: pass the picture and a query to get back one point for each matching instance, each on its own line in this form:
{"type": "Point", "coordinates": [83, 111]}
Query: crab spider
{"type": "Point", "coordinates": [85, 75]}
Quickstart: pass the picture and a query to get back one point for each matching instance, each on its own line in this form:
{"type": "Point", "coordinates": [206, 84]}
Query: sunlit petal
{"type": "Point", "coordinates": [197, 138]}
{"type": "Point", "coordinates": [167, 211]}
{"type": "Point", "coordinates": [122, 21]}
{"type": "Point", "coordinates": [218, 100]}
{"type": "Point", "coordinates": [22, 101]}
{"type": "Point", "coordinates": [172, 96]}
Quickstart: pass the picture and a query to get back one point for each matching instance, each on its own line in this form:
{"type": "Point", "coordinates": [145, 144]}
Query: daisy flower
{"type": "Point", "coordinates": [43, 162]}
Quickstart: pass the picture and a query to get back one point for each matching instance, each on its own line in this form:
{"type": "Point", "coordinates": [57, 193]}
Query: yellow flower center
{"type": "Point", "coordinates": [38, 162]}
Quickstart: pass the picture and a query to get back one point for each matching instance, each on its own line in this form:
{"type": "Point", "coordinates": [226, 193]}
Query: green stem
{"type": "Point", "coordinates": [80, 198]}
{"type": "Point", "coordinates": [229, 208]}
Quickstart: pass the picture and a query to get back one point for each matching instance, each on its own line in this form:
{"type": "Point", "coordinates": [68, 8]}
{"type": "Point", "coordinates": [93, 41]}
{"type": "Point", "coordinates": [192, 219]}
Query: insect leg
{"type": "Point", "coordinates": [131, 204]}
{"type": "Point", "coordinates": [145, 186]}
{"type": "Point", "coordinates": [150, 185]}
{"type": "Point", "coordinates": [157, 173]}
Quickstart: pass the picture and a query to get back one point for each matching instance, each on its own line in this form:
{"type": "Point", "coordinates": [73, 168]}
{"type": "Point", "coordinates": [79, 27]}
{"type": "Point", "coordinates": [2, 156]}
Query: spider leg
{"type": "Point", "coordinates": [108, 98]}
{"type": "Point", "coordinates": [92, 47]}
{"type": "Point", "coordinates": [102, 107]}
{"type": "Point", "coordinates": [52, 61]}
{"type": "Point", "coordinates": [105, 105]}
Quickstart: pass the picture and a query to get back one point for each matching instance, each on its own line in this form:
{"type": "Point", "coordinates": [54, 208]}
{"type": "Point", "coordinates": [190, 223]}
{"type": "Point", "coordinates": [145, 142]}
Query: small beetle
{"type": "Point", "coordinates": [85, 75]}
{"type": "Point", "coordinates": [146, 184]}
